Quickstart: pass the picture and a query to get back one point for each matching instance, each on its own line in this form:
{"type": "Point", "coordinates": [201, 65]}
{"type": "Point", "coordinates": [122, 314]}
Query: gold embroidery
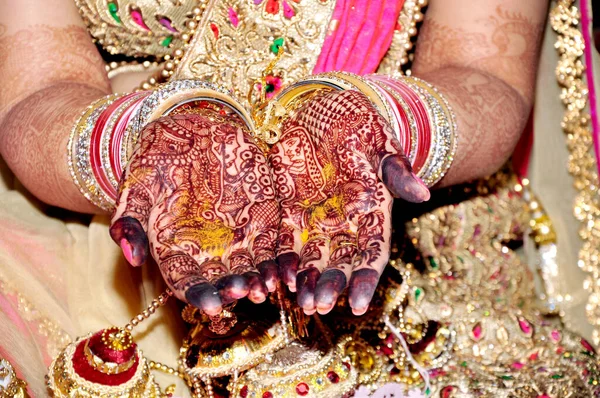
{"type": "Point", "coordinates": [582, 161]}
{"type": "Point", "coordinates": [10, 385]}
{"type": "Point", "coordinates": [233, 47]}
{"type": "Point", "coordinates": [137, 28]}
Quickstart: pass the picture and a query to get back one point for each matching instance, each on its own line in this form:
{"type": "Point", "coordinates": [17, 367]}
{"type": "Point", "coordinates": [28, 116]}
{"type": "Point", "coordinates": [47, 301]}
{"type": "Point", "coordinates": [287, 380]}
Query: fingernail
{"type": "Point", "coordinates": [424, 189]}
{"type": "Point", "coordinates": [135, 247]}
{"type": "Point", "coordinates": [324, 309]}
{"type": "Point", "coordinates": [359, 311]}
{"type": "Point", "coordinates": [309, 312]}
{"type": "Point", "coordinates": [127, 251]}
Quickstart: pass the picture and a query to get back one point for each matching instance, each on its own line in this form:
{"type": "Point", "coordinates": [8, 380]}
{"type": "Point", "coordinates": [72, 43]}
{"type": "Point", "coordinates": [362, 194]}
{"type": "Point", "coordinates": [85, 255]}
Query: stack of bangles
{"type": "Point", "coordinates": [103, 138]}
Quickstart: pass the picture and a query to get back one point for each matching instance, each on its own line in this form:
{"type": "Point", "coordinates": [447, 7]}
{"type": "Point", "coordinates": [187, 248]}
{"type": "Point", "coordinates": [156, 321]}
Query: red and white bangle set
{"type": "Point", "coordinates": [97, 149]}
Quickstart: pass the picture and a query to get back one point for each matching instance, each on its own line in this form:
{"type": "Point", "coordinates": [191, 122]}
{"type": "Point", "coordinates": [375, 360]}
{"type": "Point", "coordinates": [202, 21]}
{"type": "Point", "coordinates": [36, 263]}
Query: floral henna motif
{"type": "Point", "coordinates": [329, 167]}
{"type": "Point", "coordinates": [201, 191]}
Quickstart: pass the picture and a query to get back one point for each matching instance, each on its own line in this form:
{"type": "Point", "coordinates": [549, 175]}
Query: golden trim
{"type": "Point", "coordinates": [564, 18]}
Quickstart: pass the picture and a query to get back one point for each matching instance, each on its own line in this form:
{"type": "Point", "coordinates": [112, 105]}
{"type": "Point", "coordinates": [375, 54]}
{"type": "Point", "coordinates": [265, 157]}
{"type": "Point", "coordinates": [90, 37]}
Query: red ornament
{"type": "Point", "coordinates": [333, 377]}
{"type": "Point", "coordinates": [302, 389]}
{"type": "Point", "coordinates": [244, 392]}
{"type": "Point", "coordinates": [347, 365]}
{"type": "Point", "coordinates": [447, 391]}
{"type": "Point", "coordinates": [268, 394]}
{"type": "Point", "coordinates": [215, 30]}
{"type": "Point", "coordinates": [588, 347]}
{"type": "Point", "coordinates": [477, 331]}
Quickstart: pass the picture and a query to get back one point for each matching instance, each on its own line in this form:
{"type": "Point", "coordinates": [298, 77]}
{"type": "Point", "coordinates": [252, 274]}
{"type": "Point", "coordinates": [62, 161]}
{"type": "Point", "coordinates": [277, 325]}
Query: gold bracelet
{"type": "Point", "coordinates": [289, 99]}
{"type": "Point", "coordinates": [78, 154]}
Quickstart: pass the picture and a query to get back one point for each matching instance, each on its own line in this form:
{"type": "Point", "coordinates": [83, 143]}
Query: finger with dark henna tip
{"type": "Point", "coordinates": [205, 297]}
{"type": "Point", "coordinates": [128, 233]}
{"type": "Point", "coordinates": [306, 282]}
{"type": "Point", "coordinates": [268, 271]}
{"type": "Point", "coordinates": [330, 285]}
{"type": "Point", "coordinates": [362, 287]}
{"type": "Point", "coordinates": [257, 289]}
{"type": "Point", "coordinates": [398, 177]}
{"type": "Point", "coordinates": [232, 287]}
{"type": "Point", "coordinates": [288, 268]}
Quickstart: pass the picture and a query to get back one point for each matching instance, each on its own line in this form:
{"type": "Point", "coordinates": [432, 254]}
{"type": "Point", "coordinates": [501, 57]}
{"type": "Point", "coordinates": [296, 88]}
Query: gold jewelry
{"type": "Point", "coordinates": [78, 152]}
{"type": "Point", "coordinates": [291, 98]}
{"type": "Point", "coordinates": [68, 371]}
{"type": "Point", "coordinates": [565, 18]}
{"type": "Point", "coordinates": [10, 384]}
{"type": "Point", "coordinates": [316, 369]}
{"type": "Point", "coordinates": [205, 355]}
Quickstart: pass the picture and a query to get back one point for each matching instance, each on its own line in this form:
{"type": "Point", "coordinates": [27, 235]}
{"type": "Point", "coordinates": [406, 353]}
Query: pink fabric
{"type": "Point", "coordinates": [363, 36]}
{"type": "Point", "coordinates": [383, 38]}
{"type": "Point", "coordinates": [586, 18]}
{"type": "Point", "coordinates": [339, 35]}
{"type": "Point", "coordinates": [355, 32]}
{"type": "Point", "coordinates": [340, 7]}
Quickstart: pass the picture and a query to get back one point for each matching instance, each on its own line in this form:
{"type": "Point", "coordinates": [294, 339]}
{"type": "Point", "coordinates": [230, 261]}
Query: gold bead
{"type": "Point", "coordinates": [178, 53]}
{"type": "Point", "coordinates": [197, 11]}
{"type": "Point", "coordinates": [185, 37]}
{"type": "Point", "coordinates": [191, 24]}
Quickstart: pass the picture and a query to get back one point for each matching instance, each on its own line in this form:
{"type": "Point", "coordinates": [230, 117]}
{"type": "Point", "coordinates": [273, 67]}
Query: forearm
{"type": "Point", "coordinates": [33, 141]}
{"type": "Point", "coordinates": [490, 116]}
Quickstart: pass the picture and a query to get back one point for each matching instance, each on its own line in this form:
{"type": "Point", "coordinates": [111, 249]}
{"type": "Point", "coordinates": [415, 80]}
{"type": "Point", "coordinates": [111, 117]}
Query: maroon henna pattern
{"type": "Point", "coordinates": [202, 191]}
{"type": "Point", "coordinates": [328, 169]}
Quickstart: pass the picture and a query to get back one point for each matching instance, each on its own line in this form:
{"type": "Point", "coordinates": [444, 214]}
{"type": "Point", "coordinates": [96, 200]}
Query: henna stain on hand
{"type": "Point", "coordinates": [204, 191]}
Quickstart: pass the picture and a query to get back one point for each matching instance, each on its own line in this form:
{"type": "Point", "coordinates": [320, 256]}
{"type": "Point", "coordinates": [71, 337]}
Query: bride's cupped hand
{"type": "Point", "coordinates": [336, 169]}
{"type": "Point", "coordinates": [198, 196]}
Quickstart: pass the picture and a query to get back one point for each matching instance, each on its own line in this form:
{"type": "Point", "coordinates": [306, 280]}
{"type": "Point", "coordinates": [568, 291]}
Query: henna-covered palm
{"type": "Point", "coordinates": [200, 191]}
{"type": "Point", "coordinates": [334, 168]}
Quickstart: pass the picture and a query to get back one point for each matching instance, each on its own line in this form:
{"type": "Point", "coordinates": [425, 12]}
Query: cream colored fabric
{"type": "Point", "coordinates": [60, 277]}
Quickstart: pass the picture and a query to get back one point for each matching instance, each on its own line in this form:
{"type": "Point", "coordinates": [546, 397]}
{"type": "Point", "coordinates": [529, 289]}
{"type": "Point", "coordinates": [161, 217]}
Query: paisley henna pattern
{"type": "Point", "coordinates": [202, 192]}
{"type": "Point", "coordinates": [328, 168]}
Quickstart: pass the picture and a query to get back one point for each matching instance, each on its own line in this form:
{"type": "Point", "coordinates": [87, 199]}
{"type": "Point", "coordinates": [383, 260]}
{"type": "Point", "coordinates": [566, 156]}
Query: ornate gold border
{"type": "Point", "coordinates": [565, 18]}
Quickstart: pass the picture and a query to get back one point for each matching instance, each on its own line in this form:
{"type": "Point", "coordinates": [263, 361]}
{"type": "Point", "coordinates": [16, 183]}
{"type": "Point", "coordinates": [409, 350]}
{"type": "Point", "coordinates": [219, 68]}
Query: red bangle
{"type": "Point", "coordinates": [421, 116]}
{"type": "Point", "coordinates": [400, 121]}
{"type": "Point", "coordinates": [116, 140]}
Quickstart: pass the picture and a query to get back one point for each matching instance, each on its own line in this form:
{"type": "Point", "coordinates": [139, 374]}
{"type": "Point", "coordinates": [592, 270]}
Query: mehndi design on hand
{"type": "Point", "coordinates": [336, 168]}
{"type": "Point", "coordinates": [201, 191]}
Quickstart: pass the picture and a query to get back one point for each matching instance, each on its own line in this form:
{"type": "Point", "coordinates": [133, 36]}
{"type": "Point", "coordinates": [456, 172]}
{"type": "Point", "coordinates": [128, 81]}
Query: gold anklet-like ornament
{"type": "Point", "coordinates": [107, 364]}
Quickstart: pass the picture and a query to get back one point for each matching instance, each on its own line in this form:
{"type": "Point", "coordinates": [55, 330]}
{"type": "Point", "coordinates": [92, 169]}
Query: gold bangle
{"type": "Point", "coordinates": [78, 154]}
{"type": "Point", "coordinates": [444, 138]}
{"type": "Point", "coordinates": [292, 97]}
